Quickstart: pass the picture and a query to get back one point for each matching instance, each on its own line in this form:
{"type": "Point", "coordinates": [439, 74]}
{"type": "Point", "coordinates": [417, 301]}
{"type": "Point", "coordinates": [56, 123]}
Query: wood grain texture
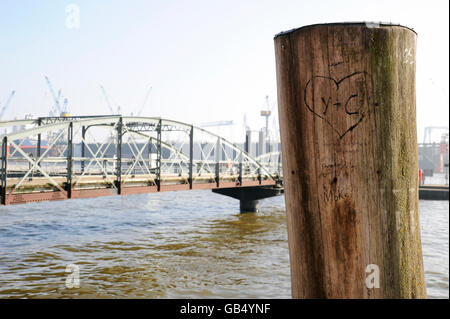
{"type": "Point", "coordinates": [346, 98]}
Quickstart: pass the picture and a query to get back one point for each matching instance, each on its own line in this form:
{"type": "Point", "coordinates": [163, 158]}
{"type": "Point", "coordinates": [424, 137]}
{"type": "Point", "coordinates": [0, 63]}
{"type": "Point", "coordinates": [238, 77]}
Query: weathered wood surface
{"type": "Point", "coordinates": [346, 96]}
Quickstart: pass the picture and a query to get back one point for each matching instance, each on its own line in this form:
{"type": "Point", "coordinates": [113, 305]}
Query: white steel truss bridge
{"type": "Point", "coordinates": [56, 158]}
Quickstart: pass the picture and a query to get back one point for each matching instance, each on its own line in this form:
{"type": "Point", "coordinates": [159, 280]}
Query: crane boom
{"type": "Point", "coordinates": [107, 100]}
{"type": "Point", "coordinates": [56, 107]}
{"type": "Point", "coordinates": [64, 107]}
{"type": "Point", "coordinates": [218, 123]}
{"type": "Point", "coordinates": [145, 101]}
{"type": "Point", "coordinates": [2, 112]}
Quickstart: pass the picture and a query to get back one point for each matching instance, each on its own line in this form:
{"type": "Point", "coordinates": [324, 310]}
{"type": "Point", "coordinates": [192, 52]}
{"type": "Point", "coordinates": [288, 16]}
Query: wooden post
{"type": "Point", "coordinates": [347, 110]}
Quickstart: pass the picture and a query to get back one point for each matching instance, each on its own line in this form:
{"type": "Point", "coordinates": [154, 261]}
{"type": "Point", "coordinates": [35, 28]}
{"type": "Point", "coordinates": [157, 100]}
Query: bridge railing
{"type": "Point", "coordinates": [272, 162]}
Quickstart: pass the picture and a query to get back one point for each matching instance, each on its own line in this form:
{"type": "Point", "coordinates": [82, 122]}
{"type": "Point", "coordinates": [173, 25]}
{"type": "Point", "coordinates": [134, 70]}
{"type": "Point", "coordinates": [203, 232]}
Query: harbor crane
{"type": "Point", "coordinates": [113, 112]}
{"type": "Point", "coordinates": [57, 109]}
{"type": "Point", "coordinates": [266, 114]}
{"type": "Point", "coordinates": [145, 101]}
{"type": "Point", "coordinates": [5, 106]}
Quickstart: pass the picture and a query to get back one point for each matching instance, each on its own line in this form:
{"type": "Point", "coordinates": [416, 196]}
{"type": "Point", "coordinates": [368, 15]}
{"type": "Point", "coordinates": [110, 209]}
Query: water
{"type": "Point", "coordinates": [434, 226]}
{"type": "Point", "coordinates": [171, 245]}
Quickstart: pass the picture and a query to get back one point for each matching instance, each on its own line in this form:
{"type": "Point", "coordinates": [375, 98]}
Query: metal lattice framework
{"type": "Point", "coordinates": [74, 157]}
{"type": "Point", "coordinates": [272, 162]}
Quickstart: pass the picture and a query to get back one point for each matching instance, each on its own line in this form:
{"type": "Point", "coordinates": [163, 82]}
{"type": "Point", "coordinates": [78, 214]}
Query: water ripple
{"type": "Point", "coordinates": [170, 245]}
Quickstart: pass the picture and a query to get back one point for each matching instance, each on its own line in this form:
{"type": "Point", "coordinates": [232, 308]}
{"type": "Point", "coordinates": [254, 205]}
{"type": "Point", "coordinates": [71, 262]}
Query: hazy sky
{"type": "Point", "coordinates": [206, 60]}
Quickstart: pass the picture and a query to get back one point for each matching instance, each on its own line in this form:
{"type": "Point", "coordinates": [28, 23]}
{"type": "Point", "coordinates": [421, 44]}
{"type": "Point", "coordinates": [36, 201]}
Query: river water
{"type": "Point", "coordinates": [191, 244]}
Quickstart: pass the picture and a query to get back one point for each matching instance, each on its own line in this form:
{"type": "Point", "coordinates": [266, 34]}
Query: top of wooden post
{"type": "Point", "coordinates": [367, 24]}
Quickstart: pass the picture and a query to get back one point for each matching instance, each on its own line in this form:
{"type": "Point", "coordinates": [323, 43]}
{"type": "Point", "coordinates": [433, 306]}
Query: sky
{"type": "Point", "coordinates": [205, 60]}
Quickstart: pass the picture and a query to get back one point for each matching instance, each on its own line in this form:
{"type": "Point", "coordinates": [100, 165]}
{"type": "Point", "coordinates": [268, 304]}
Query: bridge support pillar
{"type": "Point", "coordinates": [249, 206]}
{"type": "Point", "coordinates": [249, 196]}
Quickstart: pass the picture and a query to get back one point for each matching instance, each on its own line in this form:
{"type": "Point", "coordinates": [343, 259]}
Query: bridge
{"type": "Point", "coordinates": [57, 158]}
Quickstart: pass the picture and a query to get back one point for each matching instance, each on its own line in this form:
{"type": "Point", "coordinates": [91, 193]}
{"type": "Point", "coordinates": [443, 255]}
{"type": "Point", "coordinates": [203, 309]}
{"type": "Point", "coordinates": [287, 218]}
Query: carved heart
{"type": "Point", "coordinates": [340, 103]}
